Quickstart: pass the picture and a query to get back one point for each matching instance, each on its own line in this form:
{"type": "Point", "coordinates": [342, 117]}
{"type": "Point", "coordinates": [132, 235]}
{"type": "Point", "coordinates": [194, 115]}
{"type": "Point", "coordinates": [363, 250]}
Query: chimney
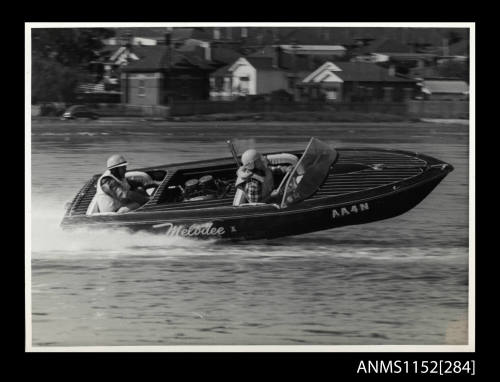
{"type": "Point", "coordinates": [216, 35]}
{"type": "Point", "coordinates": [168, 44]}
{"type": "Point", "coordinates": [208, 52]}
{"type": "Point", "coordinates": [168, 37]}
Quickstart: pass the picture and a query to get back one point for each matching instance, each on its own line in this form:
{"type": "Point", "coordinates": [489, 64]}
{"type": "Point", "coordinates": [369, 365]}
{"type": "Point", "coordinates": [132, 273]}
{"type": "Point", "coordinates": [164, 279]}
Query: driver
{"type": "Point", "coordinates": [114, 192]}
{"type": "Point", "coordinates": [256, 178]}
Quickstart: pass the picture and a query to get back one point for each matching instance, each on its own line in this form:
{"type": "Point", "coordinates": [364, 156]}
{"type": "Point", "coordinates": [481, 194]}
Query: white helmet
{"type": "Point", "coordinates": [249, 157]}
{"type": "Point", "coordinates": [116, 160]}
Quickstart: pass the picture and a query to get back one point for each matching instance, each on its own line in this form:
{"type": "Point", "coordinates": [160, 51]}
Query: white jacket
{"type": "Point", "coordinates": [105, 202]}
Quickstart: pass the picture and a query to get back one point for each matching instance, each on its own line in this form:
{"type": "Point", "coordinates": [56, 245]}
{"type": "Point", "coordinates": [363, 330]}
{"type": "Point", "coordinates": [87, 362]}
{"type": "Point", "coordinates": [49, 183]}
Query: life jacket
{"type": "Point", "coordinates": [105, 202]}
{"type": "Point", "coordinates": [244, 176]}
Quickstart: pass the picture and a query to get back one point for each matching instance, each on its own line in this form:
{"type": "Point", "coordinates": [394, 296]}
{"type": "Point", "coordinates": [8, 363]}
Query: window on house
{"type": "Point", "coordinates": [219, 83]}
{"type": "Point", "coordinates": [142, 88]}
{"type": "Point", "coordinates": [244, 84]}
{"type": "Point", "coordinates": [331, 94]}
{"type": "Point", "coordinates": [244, 32]}
{"type": "Point", "coordinates": [408, 92]}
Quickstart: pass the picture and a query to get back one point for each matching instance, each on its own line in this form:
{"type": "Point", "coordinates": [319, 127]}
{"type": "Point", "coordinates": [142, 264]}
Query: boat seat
{"type": "Point", "coordinates": [93, 208]}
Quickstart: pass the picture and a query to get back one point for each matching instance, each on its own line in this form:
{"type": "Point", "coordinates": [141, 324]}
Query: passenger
{"type": "Point", "coordinates": [114, 192]}
{"type": "Point", "coordinates": [256, 177]}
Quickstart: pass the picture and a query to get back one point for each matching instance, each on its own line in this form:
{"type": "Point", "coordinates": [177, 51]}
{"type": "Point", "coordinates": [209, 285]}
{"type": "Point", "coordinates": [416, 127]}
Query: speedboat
{"type": "Point", "coordinates": [324, 188]}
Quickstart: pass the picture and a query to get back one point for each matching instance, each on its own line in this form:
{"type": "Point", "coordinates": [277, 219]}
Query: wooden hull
{"type": "Point", "coordinates": [354, 193]}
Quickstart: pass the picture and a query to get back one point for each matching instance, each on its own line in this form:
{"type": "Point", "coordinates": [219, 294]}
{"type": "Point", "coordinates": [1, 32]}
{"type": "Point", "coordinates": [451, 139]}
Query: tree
{"type": "Point", "coordinates": [60, 58]}
{"type": "Point", "coordinates": [70, 47]}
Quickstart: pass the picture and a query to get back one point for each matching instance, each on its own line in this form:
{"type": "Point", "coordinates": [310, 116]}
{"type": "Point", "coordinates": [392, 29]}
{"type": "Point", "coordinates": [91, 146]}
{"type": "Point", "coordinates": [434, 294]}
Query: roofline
{"type": "Point", "coordinates": [385, 81]}
{"type": "Point", "coordinates": [312, 46]}
{"type": "Point", "coordinates": [144, 70]}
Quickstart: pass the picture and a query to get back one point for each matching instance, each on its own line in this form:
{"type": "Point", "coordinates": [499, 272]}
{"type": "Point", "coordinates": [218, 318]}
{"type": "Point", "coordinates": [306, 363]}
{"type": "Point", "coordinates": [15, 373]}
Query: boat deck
{"type": "Point", "coordinates": [396, 168]}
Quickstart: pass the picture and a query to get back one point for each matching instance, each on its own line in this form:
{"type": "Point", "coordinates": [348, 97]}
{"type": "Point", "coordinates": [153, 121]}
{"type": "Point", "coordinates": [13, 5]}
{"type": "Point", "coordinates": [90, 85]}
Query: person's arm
{"type": "Point", "coordinates": [114, 189]}
{"type": "Point", "coordinates": [138, 197]}
{"type": "Point", "coordinates": [253, 191]}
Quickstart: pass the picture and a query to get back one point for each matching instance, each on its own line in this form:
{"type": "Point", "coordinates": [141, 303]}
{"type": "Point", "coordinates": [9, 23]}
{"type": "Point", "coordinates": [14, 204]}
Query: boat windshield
{"type": "Point", "coordinates": [309, 172]}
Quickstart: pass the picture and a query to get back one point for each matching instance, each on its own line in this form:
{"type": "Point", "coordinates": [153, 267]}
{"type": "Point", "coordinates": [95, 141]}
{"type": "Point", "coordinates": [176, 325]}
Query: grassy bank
{"type": "Point", "coordinates": [300, 116]}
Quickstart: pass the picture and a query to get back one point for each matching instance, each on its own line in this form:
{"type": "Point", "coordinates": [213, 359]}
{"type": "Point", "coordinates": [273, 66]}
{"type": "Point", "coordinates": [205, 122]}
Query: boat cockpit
{"type": "Point", "coordinates": [306, 172]}
{"type": "Point", "coordinates": [198, 183]}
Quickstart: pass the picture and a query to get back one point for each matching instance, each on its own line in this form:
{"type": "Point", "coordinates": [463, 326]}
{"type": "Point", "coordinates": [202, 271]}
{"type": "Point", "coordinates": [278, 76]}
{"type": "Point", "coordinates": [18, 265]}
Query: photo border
{"type": "Point", "coordinates": [470, 347]}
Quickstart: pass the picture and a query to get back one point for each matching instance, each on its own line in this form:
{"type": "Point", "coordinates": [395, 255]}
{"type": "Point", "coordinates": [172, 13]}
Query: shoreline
{"type": "Point", "coordinates": [117, 121]}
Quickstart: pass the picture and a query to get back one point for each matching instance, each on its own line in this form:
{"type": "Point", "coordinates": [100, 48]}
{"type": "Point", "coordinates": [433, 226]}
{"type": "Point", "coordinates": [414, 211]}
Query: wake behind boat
{"type": "Point", "coordinates": [326, 188]}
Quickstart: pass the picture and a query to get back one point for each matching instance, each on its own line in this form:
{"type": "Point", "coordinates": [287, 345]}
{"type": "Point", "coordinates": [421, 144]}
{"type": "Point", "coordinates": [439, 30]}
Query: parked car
{"type": "Point", "coordinates": [53, 109]}
{"type": "Point", "coordinates": [79, 111]}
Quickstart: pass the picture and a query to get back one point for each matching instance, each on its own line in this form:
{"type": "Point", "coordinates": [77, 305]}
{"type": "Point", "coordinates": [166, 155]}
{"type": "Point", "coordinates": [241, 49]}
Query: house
{"type": "Point", "coordinates": [112, 59]}
{"type": "Point", "coordinates": [179, 35]}
{"type": "Point", "coordinates": [458, 52]}
{"type": "Point", "coordinates": [382, 46]}
{"type": "Point", "coordinates": [185, 40]}
{"type": "Point", "coordinates": [445, 89]}
{"type": "Point", "coordinates": [123, 40]}
{"type": "Point", "coordinates": [269, 68]}
{"type": "Point", "coordinates": [249, 75]}
{"type": "Point", "coordinates": [392, 52]}
{"type": "Point", "coordinates": [451, 61]}
{"type": "Point", "coordinates": [300, 57]}
{"type": "Point", "coordinates": [307, 57]}
{"type": "Point", "coordinates": [155, 35]}
{"type": "Point", "coordinates": [354, 81]}
{"type": "Point", "coordinates": [219, 55]}
{"type": "Point", "coordinates": [164, 75]}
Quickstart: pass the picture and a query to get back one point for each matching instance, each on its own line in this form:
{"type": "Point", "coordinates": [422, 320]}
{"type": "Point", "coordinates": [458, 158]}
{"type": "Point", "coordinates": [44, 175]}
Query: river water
{"type": "Point", "coordinates": [402, 281]}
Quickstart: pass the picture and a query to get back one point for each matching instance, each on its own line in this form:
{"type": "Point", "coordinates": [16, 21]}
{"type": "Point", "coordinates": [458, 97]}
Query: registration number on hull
{"type": "Point", "coordinates": [349, 210]}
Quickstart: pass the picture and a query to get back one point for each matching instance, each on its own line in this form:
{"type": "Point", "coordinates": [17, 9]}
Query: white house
{"type": "Point", "coordinates": [326, 76]}
{"type": "Point", "coordinates": [247, 76]}
{"type": "Point", "coordinates": [354, 81]}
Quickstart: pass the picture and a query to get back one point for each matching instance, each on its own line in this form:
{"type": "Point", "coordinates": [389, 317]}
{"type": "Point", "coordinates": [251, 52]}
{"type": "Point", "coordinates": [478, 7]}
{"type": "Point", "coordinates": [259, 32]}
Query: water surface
{"type": "Point", "coordinates": [398, 281]}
